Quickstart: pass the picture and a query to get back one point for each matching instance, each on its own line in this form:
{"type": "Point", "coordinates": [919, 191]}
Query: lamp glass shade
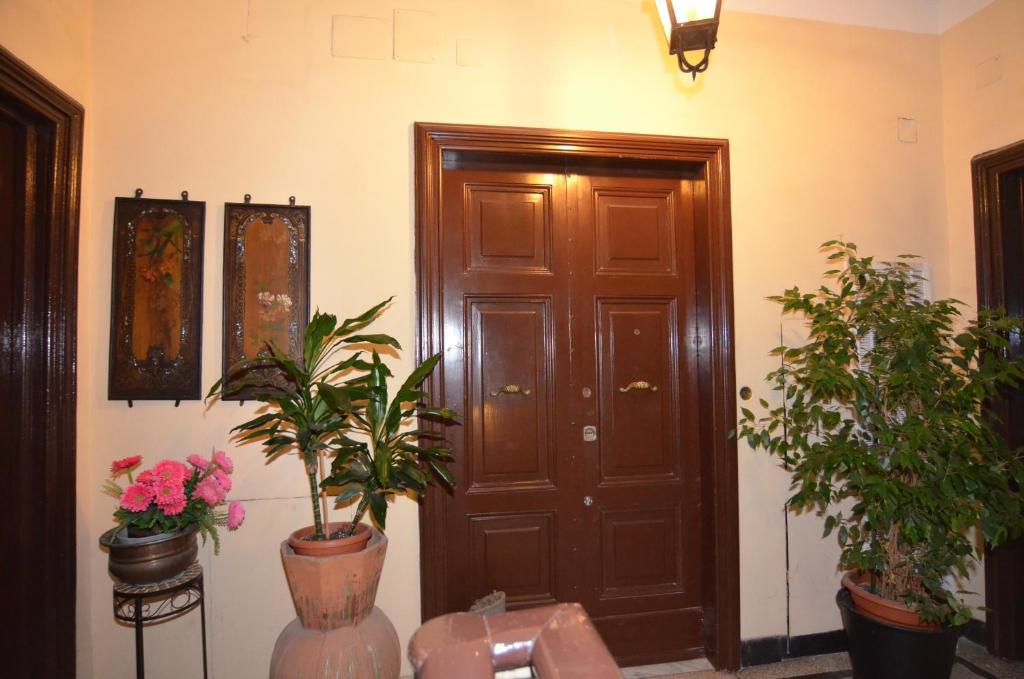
{"type": "Point", "coordinates": [691, 29]}
{"type": "Point", "coordinates": [694, 10]}
{"type": "Point", "coordinates": [678, 12]}
{"type": "Point", "coordinates": [666, 19]}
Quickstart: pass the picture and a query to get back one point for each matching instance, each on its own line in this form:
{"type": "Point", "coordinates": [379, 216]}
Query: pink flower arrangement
{"type": "Point", "coordinates": [172, 495]}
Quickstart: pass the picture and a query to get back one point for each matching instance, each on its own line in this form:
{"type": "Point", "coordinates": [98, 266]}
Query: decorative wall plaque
{"type": "Point", "coordinates": [156, 299]}
{"type": "Point", "coordinates": [266, 289]}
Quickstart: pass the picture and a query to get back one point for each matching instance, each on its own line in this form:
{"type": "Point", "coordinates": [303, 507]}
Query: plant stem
{"type": "Point", "coordinates": [360, 510]}
{"type": "Point", "coordinates": [314, 495]}
{"type": "Point", "coordinates": [323, 493]}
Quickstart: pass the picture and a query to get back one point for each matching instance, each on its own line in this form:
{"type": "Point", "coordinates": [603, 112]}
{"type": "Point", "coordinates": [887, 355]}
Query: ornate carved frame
{"type": "Point", "coordinates": [710, 157]}
{"type": "Point", "coordinates": [156, 377]}
{"type": "Point", "coordinates": [237, 216]}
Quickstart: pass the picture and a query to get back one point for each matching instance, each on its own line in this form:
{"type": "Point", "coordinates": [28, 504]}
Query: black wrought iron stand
{"type": "Point", "coordinates": [140, 604]}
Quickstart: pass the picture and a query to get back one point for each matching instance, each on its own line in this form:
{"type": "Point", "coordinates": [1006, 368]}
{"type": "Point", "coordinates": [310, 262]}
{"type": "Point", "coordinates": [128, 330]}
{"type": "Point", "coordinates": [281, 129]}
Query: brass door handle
{"type": "Point", "coordinates": [639, 385]}
{"type": "Point", "coordinates": [511, 389]}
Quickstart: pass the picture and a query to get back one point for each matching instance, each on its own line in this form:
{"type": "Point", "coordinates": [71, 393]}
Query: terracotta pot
{"type": "Point", "coordinates": [337, 590]}
{"type": "Point", "coordinates": [338, 633]}
{"type": "Point", "coordinates": [879, 608]}
{"type": "Point", "coordinates": [145, 560]}
{"type": "Point", "coordinates": [355, 543]}
{"type": "Point", "coordinates": [369, 650]}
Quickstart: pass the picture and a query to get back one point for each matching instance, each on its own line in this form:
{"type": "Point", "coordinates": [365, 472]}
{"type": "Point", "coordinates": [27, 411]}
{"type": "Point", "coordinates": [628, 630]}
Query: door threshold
{"type": "Point", "coordinates": [667, 669]}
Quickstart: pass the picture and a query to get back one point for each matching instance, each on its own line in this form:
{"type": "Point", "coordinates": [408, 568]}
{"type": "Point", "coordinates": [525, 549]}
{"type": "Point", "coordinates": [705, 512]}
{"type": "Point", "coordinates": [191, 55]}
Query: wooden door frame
{"type": "Point", "coordinates": [716, 360]}
{"type": "Point", "coordinates": [1002, 567]}
{"type": "Point", "coordinates": [47, 411]}
{"type": "Point", "coordinates": [988, 225]}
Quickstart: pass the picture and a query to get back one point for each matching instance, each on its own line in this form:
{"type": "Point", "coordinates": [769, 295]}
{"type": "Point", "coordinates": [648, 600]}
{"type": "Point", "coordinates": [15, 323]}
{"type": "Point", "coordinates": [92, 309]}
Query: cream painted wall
{"type": "Point", "coordinates": [243, 96]}
{"type": "Point", "coordinates": [55, 38]}
{"type": "Point", "coordinates": [983, 109]}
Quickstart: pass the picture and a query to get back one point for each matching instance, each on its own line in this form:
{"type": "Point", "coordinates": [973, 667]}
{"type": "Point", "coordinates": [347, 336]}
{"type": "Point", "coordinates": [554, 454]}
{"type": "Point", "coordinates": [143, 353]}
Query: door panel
{"type": "Point", "coordinates": [639, 390]}
{"type": "Point", "coordinates": [503, 260]}
{"type": "Point", "coordinates": [512, 412]}
{"type": "Point", "coordinates": [633, 296]}
{"type": "Point", "coordinates": [509, 227]}
{"type": "Point", "coordinates": [635, 230]}
{"type": "Point", "coordinates": [514, 553]}
{"type": "Point", "coordinates": [568, 302]}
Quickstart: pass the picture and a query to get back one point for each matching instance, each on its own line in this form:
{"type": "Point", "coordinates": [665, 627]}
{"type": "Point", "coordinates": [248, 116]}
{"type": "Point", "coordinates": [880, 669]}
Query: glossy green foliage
{"type": "Point", "coordinates": [890, 439]}
{"type": "Point", "coordinates": [386, 459]}
{"type": "Point", "coordinates": [334, 393]}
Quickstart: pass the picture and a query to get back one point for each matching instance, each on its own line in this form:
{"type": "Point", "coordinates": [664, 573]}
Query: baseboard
{"type": "Point", "coordinates": [773, 649]}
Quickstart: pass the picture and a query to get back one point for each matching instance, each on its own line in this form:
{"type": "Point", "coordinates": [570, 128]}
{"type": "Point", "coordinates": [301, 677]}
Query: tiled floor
{"type": "Point", "coordinates": [973, 662]}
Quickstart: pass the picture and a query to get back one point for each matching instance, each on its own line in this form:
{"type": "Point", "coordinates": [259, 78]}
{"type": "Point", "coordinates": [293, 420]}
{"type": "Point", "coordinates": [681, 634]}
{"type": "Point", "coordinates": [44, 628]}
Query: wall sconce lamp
{"type": "Point", "coordinates": [690, 26]}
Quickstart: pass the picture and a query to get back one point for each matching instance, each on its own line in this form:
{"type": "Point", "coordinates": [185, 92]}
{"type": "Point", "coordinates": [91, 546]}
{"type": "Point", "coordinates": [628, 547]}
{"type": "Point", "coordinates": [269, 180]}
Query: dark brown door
{"type": "Point", "coordinates": [568, 297]}
{"type": "Point", "coordinates": [40, 147]}
{"type": "Point", "coordinates": [999, 230]}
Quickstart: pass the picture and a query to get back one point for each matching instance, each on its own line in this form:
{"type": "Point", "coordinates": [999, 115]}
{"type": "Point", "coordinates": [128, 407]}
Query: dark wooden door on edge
{"type": "Point", "coordinates": [40, 170]}
{"type": "Point", "coordinates": [999, 253]}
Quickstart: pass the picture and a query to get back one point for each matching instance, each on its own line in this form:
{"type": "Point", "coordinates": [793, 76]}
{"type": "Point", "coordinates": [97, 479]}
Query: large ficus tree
{"type": "Point", "coordinates": [881, 418]}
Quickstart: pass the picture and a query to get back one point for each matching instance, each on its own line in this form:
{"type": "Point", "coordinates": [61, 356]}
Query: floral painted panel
{"type": "Point", "coordinates": [156, 299]}
{"type": "Point", "coordinates": [266, 289]}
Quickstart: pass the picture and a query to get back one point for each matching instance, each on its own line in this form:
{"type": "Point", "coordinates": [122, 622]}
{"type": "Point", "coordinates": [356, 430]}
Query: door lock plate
{"type": "Point", "coordinates": [589, 433]}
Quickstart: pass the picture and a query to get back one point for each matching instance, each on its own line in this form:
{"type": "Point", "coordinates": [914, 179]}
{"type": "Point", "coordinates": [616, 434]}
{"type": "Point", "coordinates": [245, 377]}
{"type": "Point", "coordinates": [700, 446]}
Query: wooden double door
{"type": "Point", "coordinates": [569, 341]}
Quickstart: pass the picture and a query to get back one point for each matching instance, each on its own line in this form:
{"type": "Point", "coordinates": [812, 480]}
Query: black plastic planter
{"type": "Point", "coordinates": [881, 651]}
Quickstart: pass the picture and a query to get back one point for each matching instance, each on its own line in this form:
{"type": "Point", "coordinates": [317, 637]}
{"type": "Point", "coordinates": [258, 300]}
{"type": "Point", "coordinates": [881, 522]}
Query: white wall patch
{"type": "Point", "coordinates": [417, 36]}
{"type": "Point", "coordinates": [906, 130]}
{"type": "Point", "coordinates": [988, 72]}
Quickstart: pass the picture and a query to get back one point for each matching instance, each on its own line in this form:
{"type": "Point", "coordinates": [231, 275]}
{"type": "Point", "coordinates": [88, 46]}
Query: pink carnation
{"type": "Point", "coordinates": [221, 459]}
{"type": "Point", "coordinates": [236, 515]}
{"type": "Point", "coordinates": [171, 470]}
{"type": "Point", "coordinates": [136, 497]}
{"type": "Point", "coordinates": [222, 479]}
{"type": "Point", "coordinates": [125, 463]}
{"type": "Point", "coordinates": [209, 491]}
{"type": "Point", "coordinates": [198, 462]}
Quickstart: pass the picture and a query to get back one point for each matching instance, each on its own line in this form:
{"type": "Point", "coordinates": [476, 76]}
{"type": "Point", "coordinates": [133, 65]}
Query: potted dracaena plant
{"type": "Point", "coordinates": [881, 419]}
{"type": "Point", "coordinates": [336, 408]}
